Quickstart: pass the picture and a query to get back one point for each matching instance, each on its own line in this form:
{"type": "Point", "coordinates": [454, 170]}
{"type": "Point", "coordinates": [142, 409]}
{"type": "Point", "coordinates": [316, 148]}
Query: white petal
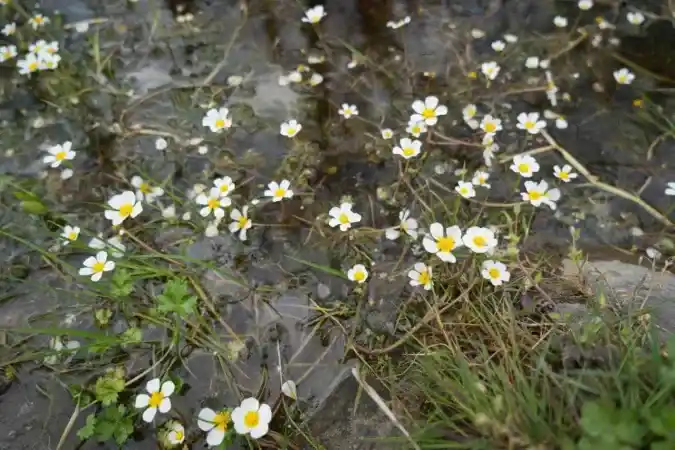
{"type": "Point", "coordinates": [265, 413]}
{"type": "Point", "coordinates": [436, 230]}
{"type": "Point", "coordinates": [167, 388]}
{"type": "Point", "coordinates": [165, 405]}
{"type": "Point", "coordinates": [149, 414]}
{"type": "Point", "coordinates": [418, 106]}
{"type": "Point", "coordinates": [392, 233]}
{"type": "Point", "coordinates": [96, 276]}
{"type": "Point", "coordinates": [260, 431]}
{"type": "Point", "coordinates": [136, 181]}
{"type": "Point", "coordinates": [205, 419]}
{"type": "Point", "coordinates": [429, 245]}
{"type": "Point", "coordinates": [86, 271]}
{"type": "Point", "coordinates": [215, 437]}
{"type": "Point", "coordinates": [138, 208]}
{"type": "Point", "coordinates": [250, 404]}
{"type": "Point", "coordinates": [290, 389]}
{"type": "Point", "coordinates": [142, 401]}
{"type": "Point", "coordinates": [153, 385]}
{"type": "Point", "coordinates": [431, 102]}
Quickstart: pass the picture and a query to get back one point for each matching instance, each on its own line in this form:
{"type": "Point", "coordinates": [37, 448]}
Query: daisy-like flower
{"type": "Point", "coordinates": [498, 46]}
{"type": "Point", "coordinates": [495, 272]}
{"type": "Point", "coordinates": [538, 193]}
{"type": "Point", "coordinates": [225, 186]}
{"type": "Point", "coordinates": [9, 29]}
{"type": "Point", "coordinates": [635, 18]}
{"type": "Point", "coordinates": [480, 239]}
{"type": "Point", "coordinates": [217, 119]}
{"type": "Point", "coordinates": [465, 189]}
{"type": "Point", "coordinates": [157, 400]}
{"type": "Point", "coordinates": [624, 76]}
{"type": "Point", "coordinates": [38, 20]}
{"type": "Point", "coordinates": [290, 128]}
{"type": "Point", "coordinates": [565, 173]}
{"type": "Point", "coordinates": [428, 110]}
{"type": "Point", "coordinates": [560, 121]}
{"type": "Point", "coordinates": [122, 206]}
{"type": "Point", "coordinates": [441, 242]}
{"type": "Point", "coordinates": [314, 15]}
{"type": "Point", "coordinates": [387, 133]}
{"type": "Point", "coordinates": [530, 122]}
{"type": "Point", "coordinates": [490, 70]}
{"type": "Point", "coordinates": [7, 52]}
{"type": "Point", "coordinates": [489, 149]}
{"type": "Point", "coordinates": [421, 275]}
{"type": "Point", "coordinates": [289, 389]}
{"type": "Point", "coordinates": [215, 425]}
{"type": "Point", "coordinates": [511, 38]}
{"type": "Point", "coordinates": [70, 234]}
{"type": "Point", "coordinates": [406, 224]}
{"type": "Point", "coordinates": [29, 64]}
{"type": "Point", "coordinates": [279, 191]}
{"type": "Point", "coordinates": [491, 124]}
{"type": "Point", "coordinates": [113, 245]}
{"type": "Point", "coordinates": [532, 62]}
{"type": "Point", "coordinates": [416, 128]}
{"type": "Point", "coordinates": [525, 165]}
{"type": "Point", "coordinates": [585, 5]}
{"type": "Point", "coordinates": [240, 222]}
{"type": "Point", "coordinates": [252, 418]}
{"type": "Point", "coordinates": [96, 265]}
{"type": "Point", "coordinates": [214, 203]}
{"type": "Point", "coordinates": [343, 216]}
{"type": "Point", "coordinates": [49, 61]}
{"type": "Point", "coordinates": [468, 114]}
{"type": "Point", "coordinates": [670, 190]}
{"type": "Point", "coordinates": [315, 79]}
{"type": "Point", "coordinates": [59, 153]}
{"type": "Point", "coordinates": [480, 179]}
{"type": "Point", "coordinates": [161, 144]}
{"type": "Point", "coordinates": [146, 191]}
{"type": "Point", "coordinates": [176, 434]}
{"type": "Point", "coordinates": [347, 110]}
{"type": "Point", "coordinates": [560, 21]}
{"type": "Point", "coordinates": [358, 273]}
{"type": "Point", "coordinates": [408, 148]}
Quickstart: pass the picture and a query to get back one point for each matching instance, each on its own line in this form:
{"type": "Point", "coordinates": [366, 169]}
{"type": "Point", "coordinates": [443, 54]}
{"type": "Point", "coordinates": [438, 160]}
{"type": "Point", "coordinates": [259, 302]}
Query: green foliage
{"type": "Point", "coordinates": [122, 283]}
{"type": "Point", "coordinates": [102, 316]}
{"type": "Point", "coordinates": [112, 423]}
{"type": "Point", "coordinates": [109, 386]}
{"type": "Point", "coordinates": [605, 427]}
{"type": "Point", "coordinates": [89, 428]}
{"type": "Point", "coordinates": [176, 298]}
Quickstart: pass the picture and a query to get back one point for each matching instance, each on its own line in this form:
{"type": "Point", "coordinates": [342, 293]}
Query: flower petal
{"type": "Point", "coordinates": [149, 414]}
{"type": "Point", "coordinates": [250, 404]}
{"type": "Point", "coordinates": [168, 387]}
{"type": "Point", "coordinates": [436, 230]}
{"type": "Point", "coordinates": [260, 431]}
{"type": "Point", "coordinates": [205, 419]}
{"type": "Point", "coordinates": [153, 385]}
{"type": "Point", "coordinates": [265, 413]}
{"type": "Point", "coordinates": [215, 437]}
{"type": "Point", "coordinates": [142, 401]}
{"type": "Point", "coordinates": [165, 405]}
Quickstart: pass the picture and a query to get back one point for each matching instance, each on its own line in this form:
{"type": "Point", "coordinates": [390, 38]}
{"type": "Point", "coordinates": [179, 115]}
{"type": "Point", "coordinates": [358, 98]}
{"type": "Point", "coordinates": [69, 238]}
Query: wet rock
{"type": "Point", "coordinates": [385, 294]}
{"type": "Point", "coordinates": [221, 287]}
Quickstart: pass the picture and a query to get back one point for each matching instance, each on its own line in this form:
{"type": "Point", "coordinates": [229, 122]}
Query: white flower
{"type": "Point", "coordinates": [7, 52]}
{"type": "Point", "coordinates": [358, 273]}
{"type": "Point", "coordinates": [428, 110]}
{"type": "Point", "coordinates": [416, 128]}
{"type": "Point", "coordinates": [347, 110]}
{"type": "Point", "coordinates": [122, 206]}
{"type": "Point", "coordinates": [144, 190]}
{"type": "Point", "coordinates": [158, 400]}
{"type": "Point", "coordinates": [9, 29]}
{"type": "Point", "coordinates": [530, 122]}
{"type": "Point", "coordinates": [468, 114]}
{"type": "Point", "coordinates": [343, 216]}
{"type": "Point", "coordinates": [480, 239]}
{"type": "Point", "coordinates": [225, 186]}
{"type": "Point", "coordinates": [387, 133]}
{"type": "Point", "coordinates": [624, 76]}
{"type": "Point", "coordinates": [498, 46]}
{"type": "Point", "coordinates": [82, 26]}
{"type": "Point", "coordinates": [565, 173]}
{"type": "Point", "coordinates": [538, 193]}
{"type": "Point", "coordinates": [289, 389]}
{"type": "Point", "coordinates": [38, 20]}
{"type": "Point", "coordinates": [59, 153]}
{"type": "Point", "coordinates": [670, 190]}
{"type": "Point", "coordinates": [49, 61]}
{"type": "Point", "coordinates": [114, 245]}
{"type": "Point", "coordinates": [636, 18]}
{"type": "Point", "coordinates": [465, 189]}
{"type": "Point", "coordinates": [477, 34]}
{"type": "Point", "coordinates": [490, 70]}
{"type": "Point", "coordinates": [279, 191]}
{"type": "Point", "coordinates": [176, 434]}
{"type": "Point", "coordinates": [480, 179]}
{"type": "Point", "coordinates": [252, 418]}
{"type": "Point", "coordinates": [406, 224]}
{"type": "Point", "coordinates": [495, 272]}
{"type": "Point", "coordinates": [161, 144]}
{"type": "Point", "coordinates": [214, 202]}
{"type": "Point", "coordinates": [29, 64]}
{"type": "Point", "coordinates": [314, 15]}
{"type": "Point", "coordinates": [215, 424]}
{"type": "Point", "coordinates": [169, 212]}
{"type": "Point", "coordinates": [217, 119]}
{"type": "Point", "coordinates": [491, 124]}
{"type": "Point", "coordinates": [560, 21]}
{"type": "Point", "coordinates": [585, 5]}
{"type": "Point", "coordinates": [290, 128]}
{"type": "Point", "coordinates": [66, 174]}
{"type": "Point", "coordinates": [211, 229]}
{"type": "Point", "coordinates": [240, 222]}
{"type": "Point", "coordinates": [442, 242]}
{"type": "Point", "coordinates": [70, 234]}
{"type": "Point", "coordinates": [532, 62]}
{"type": "Point", "coordinates": [315, 79]}
{"type": "Point", "coordinates": [56, 344]}
{"type": "Point", "coordinates": [525, 165]}
{"type": "Point", "coordinates": [511, 38]}
{"type": "Point", "coordinates": [421, 275]}
{"type": "Point", "coordinates": [96, 265]}
{"type": "Point", "coordinates": [408, 148]}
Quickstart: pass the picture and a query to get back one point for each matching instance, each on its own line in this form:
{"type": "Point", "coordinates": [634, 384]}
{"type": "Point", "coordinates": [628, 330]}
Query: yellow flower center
{"type": "Point", "coordinates": [490, 127]}
{"type": "Point", "coordinates": [220, 123]}
{"type": "Point", "coordinates": [290, 131]}
{"type": "Point", "coordinates": [408, 151]}
{"type": "Point", "coordinates": [416, 129]}
{"type": "Point", "coordinates": [126, 209]}
{"type": "Point", "coordinates": [481, 180]}
{"type": "Point", "coordinates": [347, 112]}
{"type": "Point", "coordinates": [72, 235]}
{"type": "Point", "coordinates": [221, 420]}
{"type": "Point", "coordinates": [179, 435]}
{"type": "Point", "coordinates": [564, 176]}
{"type": "Point", "coordinates": [528, 125]}
{"type": "Point", "coordinates": [535, 195]}
{"type": "Point", "coordinates": [523, 167]}
{"type": "Point", "coordinates": [494, 272]}
{"type": "Point", "coordinates": [472, 75]}
{"type": "Point", "coordinates": [424, 277]}
{"type": "Point", "coordinates": [479, 241]}
{"type": "Point", "coordinates": [60, 156]}
{"type": "Point", "coordinates": [242, 222]}
{"type": "Point", "coordinates": [251, 419]}
{"type": "Point", "coordinates": [343, 219]}
{"type": "Point", "coordinates": [359, 276]}
{"type": "Point", "coordinates": [155, 399]}
{"type": "Point", "coordinates": [145, 188]}
{"type": "Point", "coordinates": [98, 266]}
{"type": "Point", "coordinates": [464, 190]}
{"type": "Point", "coordinates": [38, 20]}
{"type": "Point", "coordinates": [621, 78]}
{"type": "Point", "coordinates": [280, 192]}
{"type": "Point", "coordinates": [33, 66]}
{"type": "Point", "coordinates": [445, 244]}
{"type": "Point", "coordinates": [224, 188]}
{"type": "Point", "coordinates": [428, 113]}
{"type": "Point", "coordinates": [213, 203]}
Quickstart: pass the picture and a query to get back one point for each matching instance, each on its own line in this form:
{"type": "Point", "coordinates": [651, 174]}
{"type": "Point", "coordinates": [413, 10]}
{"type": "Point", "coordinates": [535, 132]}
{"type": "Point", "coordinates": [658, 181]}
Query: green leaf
{"type": "Point", "coordinates": [34, 207]}
{"type": "Point", "coordinates": [107, 388]}
{"type": "Point", "coordinates": [122, 283]}
{"type": "Point", "coordinates": [114, 423]}
{"type": "Point", "coordinates": [662, 423]}
{"type": "Point", "coordinates": [88, 429]}
{"type": "Point", "coordinates": [177, 298]}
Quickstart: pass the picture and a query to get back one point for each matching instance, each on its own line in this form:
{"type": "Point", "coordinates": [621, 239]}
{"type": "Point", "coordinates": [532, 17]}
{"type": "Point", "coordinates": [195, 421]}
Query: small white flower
{"type": "Point", "coordinates": [565, 173]}
{"type": "Point", "coordinates": [495, 272]}
{"type": "Point", "coordinates": [314, 15]}
{"type": "Point", "coordinates": [240, 222]}
{"type": "Point", "coordinates": [315, 59]}
{"type": "Point", "coordinates": [441, 242]}
{"type": "Point", "coordinates": [532, 62]}
{"type": "Point", "coordinates": [9, 29]}
{"type": "Point", "coordinates": [670, 190]}
{"type": "Point", "coordinates": [585, 5]}
{"type": "Point", "coordinates": [96, 265]}
{"type": "Point", "coordinates": [235, 80]}
{"type": "Point", "coordinates": [8, 52]}
{"type": "Point", "coordinates": [560, 21]}
{"type": "Point", "coordinates": [146, 191]}
{"type": "Point", "coordinates": [225, 186]}
{"type": "Point", "coordinates": [530, 122]}
{"type": "Point", "coordinates": [498, 46]}
{"type": "Point", "coordinates": [66, 174]}
{"type": "Point", "coordinates": [624, 76]}
{"type": "Point", "coordinates": [315, 79]}
{"type": "Point", "coordinates": [635, 18]}
{"type": "Point", "coordinates": [480, 179]}
{"type": "Point", "coordinates": [70, 234]}
{"type": "Point", "coordinates": [122, 206]}
{"type": "Point", "coordinates": [480, 239]}
{"type": "Point", "coordinates": [176, 434]}
{"type": "Point", "coordinates": [343, 216]}
{"type": "Point", "coordinates": [490, 70]}
{"type": "Point", "coordinates": [214, 202]}
{"type": "Point", "coordinates": [215, 424]}
{"type": "Point", "coordinates": [252, 418]}
{"type": "Point", "coordinates": [428, 110]}
{"type": "Point", "coordinates": [211, 229]}
{"type": "Point", "coordinates": [29, 64]}
{"type": "Point", "coordinates": [279, 191]}
{"type": "Point", "coordinates": [387, 133]}
{"type": "Point", "coordinates": [525, 165]}
{"type": "Point", "coordinates": [217, 119]}
{"type": "Point", "coordinates": [491, 125]}
{"type": "Point", "coordinates": [59, 153]}
{"type": "Point", "coordinates": [169, 212]}
{"type": "Point", "coordinates": [465, 189]}
{"type": "Point", "coordinates": [37, 21]}
{"type": "Point", "coordinates": [416, 128]}
{"type": "Point", "coordinates": [358, 273]}
{"type": "Point", "coordinates": [290, 128]}
{"type": "Point", "coordinates": [289, 389]}
{"type": "Point", "coordinates": [158, 400]}
{"type": "Point", "coordinates": [161, 144]}
{"type": "Point", "coordinates": [421, 275]}
{"type": "Point", "coordinates": [82, 26]}
{"type": "Point", "coordinates": [406, 224]}
{"type": "Point", "coordinates": [468, 114]}
{"type": "Point", "coordinates": [113, 245]}
{"type": "Point", "coordinates": [511, 38]}
{"type": "Point", "coordinates": [408, 148]}
{"type": "Point", "coordinates": [347, 110]}
{"type": "Point", "coordinates": [477, 34]}
{"type": "Point", "coordinates": [538, 193]}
